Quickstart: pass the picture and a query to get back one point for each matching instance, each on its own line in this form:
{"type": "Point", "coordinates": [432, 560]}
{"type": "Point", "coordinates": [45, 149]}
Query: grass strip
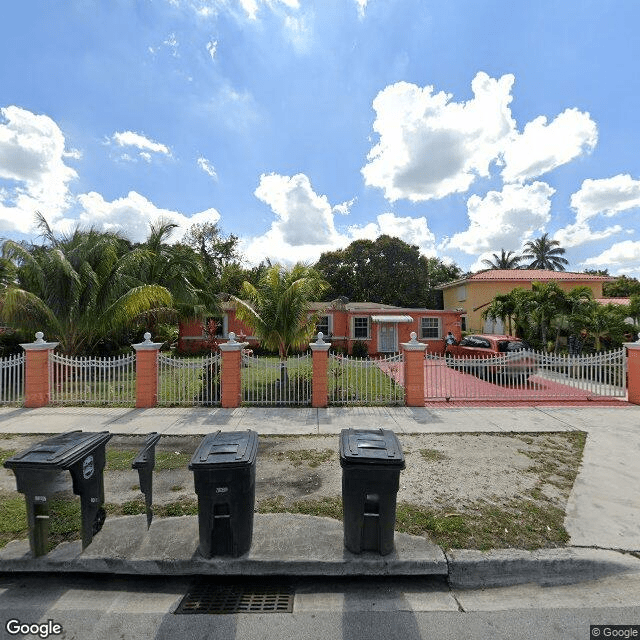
{"type": "Point", "coordinates": [121, 459]}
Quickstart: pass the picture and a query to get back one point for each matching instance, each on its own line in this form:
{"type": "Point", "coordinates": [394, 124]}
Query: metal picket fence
{"type": "Point", "coordinates": [360, 381]}
{"type": "Point", "coordinates": [274, 382]}
{"type": "Point", "coordinates": [12, 379]}
{"type": "Point", "coordinates": [527, 376]}
{"type": "Point", "coordinates": [189, 381]}
{"type": "Point", "coordinates": [92, 381]}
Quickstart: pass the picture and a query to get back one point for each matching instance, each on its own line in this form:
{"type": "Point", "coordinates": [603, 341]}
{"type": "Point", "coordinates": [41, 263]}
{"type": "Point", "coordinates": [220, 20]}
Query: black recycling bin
{"type": "Point", "coordinates": [224, 474]}
{"type": "Point", "coordinates": [145, 462]}
{"type": "Point", "coordinates": [37, 470]}
{"type": "Point", "coordinates": [371, 462]}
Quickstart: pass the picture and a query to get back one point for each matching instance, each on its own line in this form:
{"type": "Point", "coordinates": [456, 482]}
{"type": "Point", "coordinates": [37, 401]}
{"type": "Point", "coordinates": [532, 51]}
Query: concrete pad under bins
{"type": "Point", "coordinates": [283, 544]}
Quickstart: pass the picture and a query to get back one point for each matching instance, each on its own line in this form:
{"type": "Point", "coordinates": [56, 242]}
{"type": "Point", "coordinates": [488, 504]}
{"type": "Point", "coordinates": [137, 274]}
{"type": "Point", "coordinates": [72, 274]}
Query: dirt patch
{"type": "Point", "coordinates": [451, 469]}
{"type": "Point", "coordinates": [470, 490]}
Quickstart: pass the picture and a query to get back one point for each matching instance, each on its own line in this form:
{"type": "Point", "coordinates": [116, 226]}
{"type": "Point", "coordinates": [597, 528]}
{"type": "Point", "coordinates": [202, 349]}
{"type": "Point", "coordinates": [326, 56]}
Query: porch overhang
{"type": "Point", "coordinates": [391, 319]}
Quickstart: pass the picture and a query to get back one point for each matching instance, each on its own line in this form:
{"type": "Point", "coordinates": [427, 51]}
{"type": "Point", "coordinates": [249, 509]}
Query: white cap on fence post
{"type": "Point", "coordinates": [320, 344]}
{"type": "Point", "coordinates": [39, 343]}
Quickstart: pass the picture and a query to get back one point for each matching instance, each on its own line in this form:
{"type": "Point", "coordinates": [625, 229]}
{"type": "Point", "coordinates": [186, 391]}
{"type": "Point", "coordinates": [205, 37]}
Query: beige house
{"type": "Point", "coordinates": [471, 295]}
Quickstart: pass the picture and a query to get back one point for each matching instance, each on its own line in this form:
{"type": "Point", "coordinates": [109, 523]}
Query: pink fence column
{"type": "Point", "coordinates": [633, 371]}
{"type": "Point", "coordinates": [147, 372]}
{"type": "Point", "coordinates": [230, 375]}
{"type": "Point", "coordinates": [320, 360]}
{"type": "Point", "coordinates": [36, 374]}
{"type": "Point", "coordinates": [414, 383]}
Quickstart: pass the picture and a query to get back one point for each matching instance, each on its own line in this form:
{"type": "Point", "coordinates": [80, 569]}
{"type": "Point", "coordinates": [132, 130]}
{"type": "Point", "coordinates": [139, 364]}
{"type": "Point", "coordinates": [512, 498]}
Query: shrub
{"type": "Point", "coordinates": [360, 349]}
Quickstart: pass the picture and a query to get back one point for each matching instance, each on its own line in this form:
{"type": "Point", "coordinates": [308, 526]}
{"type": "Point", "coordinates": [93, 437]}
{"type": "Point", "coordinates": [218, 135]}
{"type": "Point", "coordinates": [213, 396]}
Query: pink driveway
{"type": "Point", "coordinates": [446, 386]}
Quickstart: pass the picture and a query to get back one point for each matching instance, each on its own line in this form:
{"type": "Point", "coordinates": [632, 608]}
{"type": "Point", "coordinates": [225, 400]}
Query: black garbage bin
{"type": "Point", "coordinates": [37, 470]}
{"type": "Point", "coordinates": [145, 463]}
{"type": "Point", "coordinates": [371, 462]}
{"type": "Point", "coordinates": [224, 474]}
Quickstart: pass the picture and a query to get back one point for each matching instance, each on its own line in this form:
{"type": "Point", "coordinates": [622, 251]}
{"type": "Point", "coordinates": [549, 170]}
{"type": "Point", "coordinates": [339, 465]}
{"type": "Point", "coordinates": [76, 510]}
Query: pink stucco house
{"type": "Point", "coordinates": [381, 327]}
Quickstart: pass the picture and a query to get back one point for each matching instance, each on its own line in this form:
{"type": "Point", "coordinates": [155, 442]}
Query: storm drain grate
{"type": "Point", "coordinates": [237, 598]}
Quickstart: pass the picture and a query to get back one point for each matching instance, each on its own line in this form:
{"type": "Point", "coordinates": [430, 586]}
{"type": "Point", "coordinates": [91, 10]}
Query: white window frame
{"type": "Point", "coordinates": [461, 293]}
{"type": "Point", "coordinates": [329, 318]}
{"type": "Point", "coordinates": [353, 327]}
{"type": "Point", "coordinates": [424, 327]}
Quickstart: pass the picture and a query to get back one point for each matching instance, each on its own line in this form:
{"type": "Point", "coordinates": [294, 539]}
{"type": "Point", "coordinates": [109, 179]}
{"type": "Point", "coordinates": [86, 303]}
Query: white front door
{"type": "Point", "coordinates": [388, 338]}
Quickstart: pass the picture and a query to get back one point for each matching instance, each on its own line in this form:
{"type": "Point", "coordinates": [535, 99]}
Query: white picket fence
{"type": "Point", "coordinates": [362, 381]}
{"type": "Point", "coordinates": [528, 376]}
{"type": "Point", "coordinates": [12, 379]}
{"type": "Point", "coordinates": [274, 382]}
{"type": "Point", "coordinates": [92, 381]}
{"type": "Point", "coordinates": [188, 381]}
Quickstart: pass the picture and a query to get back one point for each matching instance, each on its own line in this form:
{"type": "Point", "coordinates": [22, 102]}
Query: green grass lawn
{"type": "Point", "coordinates": [362, 383]}
{"type": "Point", "coordinates": [264, 381]}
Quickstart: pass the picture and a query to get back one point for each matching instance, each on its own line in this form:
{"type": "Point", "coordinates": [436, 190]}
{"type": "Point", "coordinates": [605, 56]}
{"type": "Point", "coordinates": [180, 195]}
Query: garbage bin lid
{"type": "Point", "coordinates": [362, 446]}
{"type": "Point", "coordinates": [59, 452]}
{"type": "Point", "coordinates": [141, 459]}
{"type": "Point", "coordinates": [233, 448]}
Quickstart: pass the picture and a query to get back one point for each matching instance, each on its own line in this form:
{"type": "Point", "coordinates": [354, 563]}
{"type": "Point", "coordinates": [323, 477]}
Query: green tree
{"type": "Point", "coordinates": [75, 289]}
{"type": "Point", "coordinates": [506, 260]}
{"type": "Point", "coordinates": [602, 322]}
{"type": "Point", "coordinates": [621, 287]}
{"type": "Point", "coordinates": [277, 309]}
{"type": "Point", "coordinates": [386, 270]}
{"type": "Point", "coordinates": [503, 307]}
{"type": "Point", "coordinates": [545, 253]}
{"type": "Point", "coordinates": [216, 250]}
{"type": "Point", "coordinates": [574, 302]}
{"type": "Point", "coordinates": [177, 267]}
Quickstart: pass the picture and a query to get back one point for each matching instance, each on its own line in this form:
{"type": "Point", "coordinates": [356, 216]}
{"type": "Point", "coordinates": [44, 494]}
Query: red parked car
{"type": "Point", "coordinates": [504, 352]}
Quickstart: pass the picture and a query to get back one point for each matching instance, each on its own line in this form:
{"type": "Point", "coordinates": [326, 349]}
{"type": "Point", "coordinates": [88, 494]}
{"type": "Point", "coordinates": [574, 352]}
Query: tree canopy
{"type": "Point", "coordinates": [545, 312]}
{"type": "Point", "coordinates": [86, 285]}
{"type": "Point", "coordinates": [75, 289]}
{"type": "Point", "coordinates": [386, 270]}
{"type": "Point", "coordinates": [277, 309]}
{"type": "Point", "coordinates": [545, 253]}
{"type": "Point", "coordinates": [506, 260]}
{"type": "Point", "coordinates": [621, 287]}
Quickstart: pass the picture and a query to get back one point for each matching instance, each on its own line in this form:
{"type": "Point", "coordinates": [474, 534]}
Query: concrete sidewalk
{"type": "Point", "coordinates": [603, 512]}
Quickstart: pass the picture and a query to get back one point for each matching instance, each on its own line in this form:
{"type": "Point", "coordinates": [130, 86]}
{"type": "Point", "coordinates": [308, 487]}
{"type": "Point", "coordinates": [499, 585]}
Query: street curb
{"type": "Point", "coordinates": [301, 545]}
{"type": "Point", "coordinates": [472, 569]}
{"type": "Point", "coordinates": [283, 544]}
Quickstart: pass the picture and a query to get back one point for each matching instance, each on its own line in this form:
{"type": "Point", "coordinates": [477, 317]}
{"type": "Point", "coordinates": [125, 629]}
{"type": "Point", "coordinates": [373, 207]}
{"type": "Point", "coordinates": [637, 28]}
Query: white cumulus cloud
{"type": "Point", "coordinates": [596, 199]}
{"type": "Point", "coordinates": [621, 258]}
{"type": "Point", "coordinates": [212, 48]}
{"type": "Point", "coordinates": [504, 218]}
{"type": "Point", "coordinates": [207, 167]}
{"type": "Point", "coordinates": [32, 162]}
{"type": "Point", "coordinates": [304, 217]}
{"type": "Point", "coordinates": [411, 230]}
{"type": "Point", "coordinates": [131, 216]}
{"type": "Point", "coordinates": [430, 147]}
{"type": "Point", "coordinates": [144, 145]}
{"type": "Point", "coordinates": [543, 146]}
{"type": "Point", "coordinates": [362, 6]}
{"type": "Point", "coordinates": [304, 227]}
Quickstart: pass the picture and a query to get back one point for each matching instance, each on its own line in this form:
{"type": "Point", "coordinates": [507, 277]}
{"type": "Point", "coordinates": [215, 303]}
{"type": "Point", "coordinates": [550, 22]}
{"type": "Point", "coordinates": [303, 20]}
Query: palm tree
{"type": "Point", "coordinates": [602, 321]}
{"type": "Point", "coordinates": [574, 302]}
{"type": "Point", "coordinates": [76, 289]}
{"type": "Point", "coordinates": [502, 307]}
{"type": "Point", "coordinates": [545, 254]}
{"type": "Point", "coordinates": [547, 303]}
{"type": "Point", "coordinates": [506, 260]}
{"type": "Point", "coordinates": [277, 309]}
{"type": "Point", "coordinates": [176, 267]}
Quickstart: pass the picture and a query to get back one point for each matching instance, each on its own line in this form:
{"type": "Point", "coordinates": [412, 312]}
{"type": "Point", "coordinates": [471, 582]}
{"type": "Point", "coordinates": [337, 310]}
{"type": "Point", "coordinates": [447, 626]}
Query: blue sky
{"type": "Point", "coordinates": [464, 127]}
